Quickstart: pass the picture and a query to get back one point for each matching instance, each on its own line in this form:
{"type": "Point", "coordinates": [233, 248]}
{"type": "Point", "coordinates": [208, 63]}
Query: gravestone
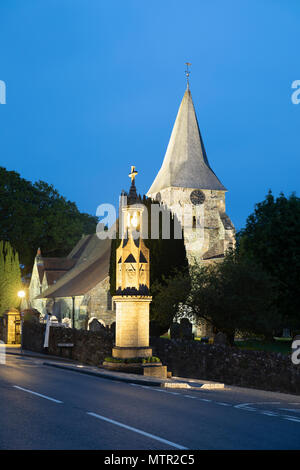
{"type": "Point", "coordinates": [175, 331]}
{"type": "Point", "coordinates": [53, 320]}
{"type": "Point", "coordinates": [66, 322]}
{"type": "Point", "coordinates": [220, 339]}
{"type": "Point", "coordinates": [95, 325]}
{"type": "Point", "coordinates": [186, 329]}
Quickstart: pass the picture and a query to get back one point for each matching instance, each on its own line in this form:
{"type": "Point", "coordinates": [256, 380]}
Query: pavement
{"type": "Point", "coordinates": [68, 364]}
{"type": "Point", "coordinates": [46, 407]}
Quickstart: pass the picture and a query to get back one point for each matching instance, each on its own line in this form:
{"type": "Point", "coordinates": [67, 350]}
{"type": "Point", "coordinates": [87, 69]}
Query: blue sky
{"type": "Point", "coordinates": [94, 86]}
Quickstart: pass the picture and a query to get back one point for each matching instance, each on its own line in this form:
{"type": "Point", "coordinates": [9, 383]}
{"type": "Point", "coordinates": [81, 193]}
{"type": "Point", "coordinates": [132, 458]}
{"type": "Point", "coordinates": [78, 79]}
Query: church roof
{"type": "Point", "coordinates": [52, 276]}
{"type": "Point", "coordinates": [47, 265]}
{"type": "Point", "coordinates": [90, 258]}
{"type": "Point", "coordinates": [185, 164]}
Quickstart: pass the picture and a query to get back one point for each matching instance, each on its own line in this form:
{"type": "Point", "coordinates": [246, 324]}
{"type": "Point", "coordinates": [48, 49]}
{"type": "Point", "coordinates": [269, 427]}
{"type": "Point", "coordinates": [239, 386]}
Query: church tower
{"type": "Point", "coordinates": [188, 186]}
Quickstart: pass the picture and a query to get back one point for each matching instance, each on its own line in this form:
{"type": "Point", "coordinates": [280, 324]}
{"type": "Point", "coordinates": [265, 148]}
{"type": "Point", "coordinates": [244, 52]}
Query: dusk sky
{"type": "Point", "coordinates": [94, 87]}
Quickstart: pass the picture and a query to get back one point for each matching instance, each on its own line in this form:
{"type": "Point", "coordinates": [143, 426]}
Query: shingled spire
{"type": "Point", "coordinates": [185, 164]}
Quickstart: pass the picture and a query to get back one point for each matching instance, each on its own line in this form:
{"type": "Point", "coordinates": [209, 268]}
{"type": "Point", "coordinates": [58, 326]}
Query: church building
{"type": "Point", "coordinates": [76, 288]}
{"type": "Point", "coordinates": [186, 179]}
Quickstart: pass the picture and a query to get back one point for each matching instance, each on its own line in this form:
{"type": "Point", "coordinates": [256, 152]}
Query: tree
{"type": "Point", "coordinates": [10, 277]}
{"type": "Point", "coordinates": [271, 239]}
{"type": "Point", "coordinates": [168, 295]}
{"type": "Point", "coordinates": [36, 215]}
{"type": "Point", "coordinates": [2, 278]}
{"type": "Point", "coordinates": [235, 295]}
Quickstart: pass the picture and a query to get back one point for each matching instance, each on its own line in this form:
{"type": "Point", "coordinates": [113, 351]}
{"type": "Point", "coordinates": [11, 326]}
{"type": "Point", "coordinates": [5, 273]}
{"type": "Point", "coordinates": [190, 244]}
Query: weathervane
{"type": "Point", "coordinates": [187, 72]}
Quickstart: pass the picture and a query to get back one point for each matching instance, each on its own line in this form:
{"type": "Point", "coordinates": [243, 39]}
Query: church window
{"type": "Point", "coordinates": [109, 301]}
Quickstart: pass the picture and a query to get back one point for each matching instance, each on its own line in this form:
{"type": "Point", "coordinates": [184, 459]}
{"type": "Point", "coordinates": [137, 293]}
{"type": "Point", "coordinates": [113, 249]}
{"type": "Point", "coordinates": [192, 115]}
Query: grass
{"type": "Point", "coordinates": [280, 345]}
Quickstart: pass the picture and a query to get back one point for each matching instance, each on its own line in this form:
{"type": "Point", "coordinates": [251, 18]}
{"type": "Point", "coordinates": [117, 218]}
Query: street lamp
{"type": "Point", "coordinates": [21, 294]}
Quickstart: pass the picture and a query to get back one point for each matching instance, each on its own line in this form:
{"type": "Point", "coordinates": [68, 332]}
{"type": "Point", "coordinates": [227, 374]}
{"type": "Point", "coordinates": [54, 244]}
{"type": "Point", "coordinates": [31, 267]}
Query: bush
{"type": "Point", "coordinates": [152, 359]}
{"type": "Point", "coordinates": [133, 360]}
{"type": "Point", "coordinates": [113, 359]}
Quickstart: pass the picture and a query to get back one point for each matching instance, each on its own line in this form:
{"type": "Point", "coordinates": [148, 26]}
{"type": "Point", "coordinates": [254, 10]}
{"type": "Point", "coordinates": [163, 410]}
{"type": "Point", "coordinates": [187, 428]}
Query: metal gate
{"type": "Point", "coordinates": [17, 331]}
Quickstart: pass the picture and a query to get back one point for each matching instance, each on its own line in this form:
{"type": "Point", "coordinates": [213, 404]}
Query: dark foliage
{"type": "Point", "coordinates": [271, 239]}
{"type": "Point", "coordinates": [35, 215]}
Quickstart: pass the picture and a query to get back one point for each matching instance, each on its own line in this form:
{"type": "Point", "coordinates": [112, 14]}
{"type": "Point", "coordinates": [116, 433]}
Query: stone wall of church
{"type": "Point", "coordinates": [208, 230]}
{"type": "Point", "coordinates": [35, 290]}
{"type": "Point", "coordinates": [99, 303]}
{"type": "Point", "coordinates": [62, 307]}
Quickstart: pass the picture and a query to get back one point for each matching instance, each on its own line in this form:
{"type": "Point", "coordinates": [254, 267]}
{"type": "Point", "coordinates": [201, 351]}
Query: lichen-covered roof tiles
{"type": "Point", "coordinates": [89, 268]}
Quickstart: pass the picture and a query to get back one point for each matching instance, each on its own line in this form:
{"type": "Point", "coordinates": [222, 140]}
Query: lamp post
{"type": "Point", "coordinates": [21, 295]}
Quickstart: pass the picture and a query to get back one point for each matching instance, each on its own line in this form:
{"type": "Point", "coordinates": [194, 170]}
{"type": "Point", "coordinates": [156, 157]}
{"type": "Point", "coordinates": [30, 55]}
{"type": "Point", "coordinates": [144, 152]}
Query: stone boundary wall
{"type": "Point", "coordinates": [229, 365]}
{"type": "Point", "coordinates": [90, 347]}
{"type": "Point", "coordinates": [191, 359]}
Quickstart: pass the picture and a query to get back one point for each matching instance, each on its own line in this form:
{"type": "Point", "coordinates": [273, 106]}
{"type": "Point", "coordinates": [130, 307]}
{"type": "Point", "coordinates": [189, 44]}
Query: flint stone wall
{"type": "Point", "coordinates": [191, 359]}
{"type": "Point", "coordinates": [229, 365]}
{"type": "Point", "coordinates": [90, 347]}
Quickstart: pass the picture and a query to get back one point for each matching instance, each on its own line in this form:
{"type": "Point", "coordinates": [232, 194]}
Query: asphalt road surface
{"type": "Point", "coordinates": [48, 408]}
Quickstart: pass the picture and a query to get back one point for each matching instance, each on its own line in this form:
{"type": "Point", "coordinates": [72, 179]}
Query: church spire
{"type": "Point", "coordinates": [185, 164]}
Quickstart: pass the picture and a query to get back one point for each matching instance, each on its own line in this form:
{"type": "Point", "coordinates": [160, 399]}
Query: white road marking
{"type": "Point", "coordinates": [245, 406]}
{"type": "Point", "coordinates": [37, 394]}
{"type": "Point", "coordinates": [290, 416]}
{"type": "Point", "coordinates": [269, 413]}
{"type": "Point", "coordinates": [143, 433]}
{"type": "Point", "coordinates": [266, 403]}
{"type": "Point", "coordinates": [290, 409]}
{"type": "Point", "coordinates": [241, 406]}
{"type": "Point", "coordinates": [296, 420]}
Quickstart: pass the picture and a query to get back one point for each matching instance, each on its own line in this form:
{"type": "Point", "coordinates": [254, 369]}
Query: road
{"type": "Point", "coordinates": [48, 408]}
